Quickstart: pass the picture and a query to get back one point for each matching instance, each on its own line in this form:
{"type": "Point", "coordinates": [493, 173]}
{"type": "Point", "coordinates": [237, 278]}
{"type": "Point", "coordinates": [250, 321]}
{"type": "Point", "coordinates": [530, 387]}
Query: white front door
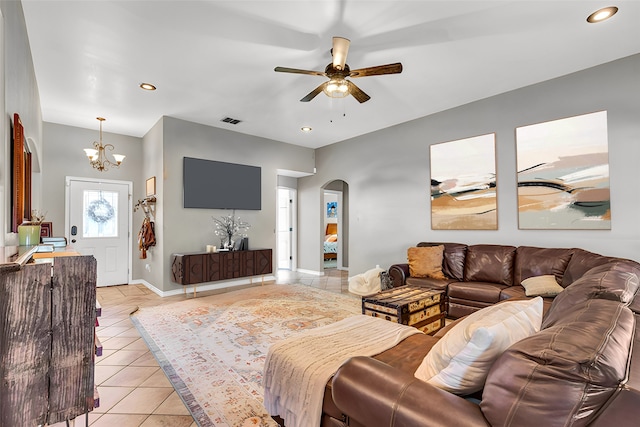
{"type": "Point", "coordinates": [98, 224]}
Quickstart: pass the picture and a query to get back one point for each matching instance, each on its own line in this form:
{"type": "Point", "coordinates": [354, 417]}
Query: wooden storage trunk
{"type": "Point", "coordinates": [421, 308]}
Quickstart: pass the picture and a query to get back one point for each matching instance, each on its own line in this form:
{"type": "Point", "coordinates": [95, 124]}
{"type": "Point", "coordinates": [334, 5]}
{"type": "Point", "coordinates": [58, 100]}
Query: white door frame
{"type": "Point", "coordinates": [340, 233]}
{"type": "Point", "coordinates": [67, 221]}
{"type": "Point", "coordinates": [293, 207]}
{"type": "Point", "coordinates": [5, 173]}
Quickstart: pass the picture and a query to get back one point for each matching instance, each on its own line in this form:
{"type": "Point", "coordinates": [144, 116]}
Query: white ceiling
{"type": "Point", "coordinates": [215, 59]}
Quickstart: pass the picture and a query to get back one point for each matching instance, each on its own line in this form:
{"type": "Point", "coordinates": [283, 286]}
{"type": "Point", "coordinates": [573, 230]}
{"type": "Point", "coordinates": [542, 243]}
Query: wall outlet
{"type": "Point", "coordinates": [147, 267]}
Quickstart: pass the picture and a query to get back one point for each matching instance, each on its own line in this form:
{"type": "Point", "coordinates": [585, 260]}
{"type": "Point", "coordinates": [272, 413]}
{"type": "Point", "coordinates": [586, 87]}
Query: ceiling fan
{"type": "Point", "coordinates": [338, 86]}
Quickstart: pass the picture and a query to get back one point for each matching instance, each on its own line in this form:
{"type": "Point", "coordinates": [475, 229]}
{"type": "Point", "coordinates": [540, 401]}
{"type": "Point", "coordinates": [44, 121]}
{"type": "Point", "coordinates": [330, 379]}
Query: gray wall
{"type": "Point", "coordinates": [159, 153]}
{"type": "Point", "coordinates": [151, 268]}
{"type": "Point", "coordinates": [287, 181]}
{"type": "Point", "coordinates": [388, 171]}
{"type": "Point", "coordinates": [190, 230]}
{"type": "Point", "coordinates": [64, 156]}
{"type": "Point", "coordinates": [20, 90]}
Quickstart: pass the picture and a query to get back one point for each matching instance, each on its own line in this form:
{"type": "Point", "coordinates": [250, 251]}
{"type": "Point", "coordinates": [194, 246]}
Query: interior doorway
{"type": "Point", "coordinates": [331, 247]}
{"type": "Point", "coordinates": [286, 219]}
{"type": "Point", "coordinates": [335, 225]}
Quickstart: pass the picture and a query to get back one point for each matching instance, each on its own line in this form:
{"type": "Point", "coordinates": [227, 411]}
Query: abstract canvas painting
{"type": "Point", "coordinates": [463, 184]}
{"type": "Point", "coordinates": [563, 174]}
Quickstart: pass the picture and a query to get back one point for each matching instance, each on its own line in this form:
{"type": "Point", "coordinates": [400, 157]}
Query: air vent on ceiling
{"type": "Point", "coordinates": [230, 120]}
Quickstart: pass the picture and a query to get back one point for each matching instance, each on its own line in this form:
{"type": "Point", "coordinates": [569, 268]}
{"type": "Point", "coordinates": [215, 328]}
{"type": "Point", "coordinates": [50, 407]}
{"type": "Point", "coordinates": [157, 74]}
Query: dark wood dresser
{"type": "Point", "coordinates": [47, 327]}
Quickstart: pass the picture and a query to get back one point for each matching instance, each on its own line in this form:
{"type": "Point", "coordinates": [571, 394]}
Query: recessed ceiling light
{"type": "Point", "coordinates": [147, 86]}
{"type": "Point", "coordinates": [306, 129]}
{"type": "Point", "coordinates": [602, 14]}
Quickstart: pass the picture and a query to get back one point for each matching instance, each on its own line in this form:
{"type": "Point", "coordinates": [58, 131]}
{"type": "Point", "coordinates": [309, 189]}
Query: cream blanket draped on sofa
{"type": "Point", "coordinates": [297, 369]}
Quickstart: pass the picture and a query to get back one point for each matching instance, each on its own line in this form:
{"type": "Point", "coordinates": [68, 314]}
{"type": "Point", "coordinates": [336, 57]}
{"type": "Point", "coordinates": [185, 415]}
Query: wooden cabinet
{"type": "Point", "coordinates": [47, 319]}
{"type": "Point", "coordinates": [201, 267]}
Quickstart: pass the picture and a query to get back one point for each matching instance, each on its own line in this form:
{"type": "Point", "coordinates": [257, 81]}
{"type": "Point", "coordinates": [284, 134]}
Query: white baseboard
{"type": "Point", "coordinates": [255, 280]}
{"type": "Point", "coordinates": [319, 273]}
{"type": "Point", "coordinates": [315, 273]}
{"type": "Point", "coordinates": [147, 284]}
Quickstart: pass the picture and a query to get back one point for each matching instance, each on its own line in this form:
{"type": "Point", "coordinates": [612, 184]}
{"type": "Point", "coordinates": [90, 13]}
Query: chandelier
{"type": "Point", "coordinates": [97, 155]}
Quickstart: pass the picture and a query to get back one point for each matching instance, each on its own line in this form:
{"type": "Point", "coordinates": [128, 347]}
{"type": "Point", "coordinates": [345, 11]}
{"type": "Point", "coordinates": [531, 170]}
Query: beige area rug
{"type": "Point", "coordinates": [213, 348]}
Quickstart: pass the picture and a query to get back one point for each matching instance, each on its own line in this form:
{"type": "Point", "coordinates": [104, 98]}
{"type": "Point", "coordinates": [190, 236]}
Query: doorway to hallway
{"type": "Point", "coordinates": [335, 222]}
{"type": "Point", "coordinates": [331, 247]}
{"type": "Point", "coordinates": [286, 220]}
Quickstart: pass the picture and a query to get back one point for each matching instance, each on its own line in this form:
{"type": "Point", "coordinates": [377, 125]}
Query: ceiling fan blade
{"type": "Point", "coordinates": [313, 93]}
{"type": "Point", "coordinates": [377, 71]}
{"type": "Point", "coordinates": [339, 51]}
{"type": "Point", "coordinates": [357, 93]}
{"type": "Point", "coordinates": [297, 71]}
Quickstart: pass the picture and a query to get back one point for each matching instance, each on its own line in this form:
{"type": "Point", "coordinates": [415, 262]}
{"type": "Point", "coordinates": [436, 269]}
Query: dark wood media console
{"type": "Point", "coordinates": [202, 267]}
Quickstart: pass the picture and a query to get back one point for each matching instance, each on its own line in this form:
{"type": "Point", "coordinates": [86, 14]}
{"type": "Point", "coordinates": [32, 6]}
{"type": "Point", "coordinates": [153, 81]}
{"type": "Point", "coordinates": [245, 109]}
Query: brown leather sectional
{"type": "Point", "coordinates": [478, 276]}
{"type": "Point", "coordinates": [582, 368]}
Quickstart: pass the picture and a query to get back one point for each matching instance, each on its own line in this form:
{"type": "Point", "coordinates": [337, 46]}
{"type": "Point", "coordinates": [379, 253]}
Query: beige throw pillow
{"type": "Point", "coordinates": [544, 286]}
{"type": "Point", "coordinates": [426, 261]}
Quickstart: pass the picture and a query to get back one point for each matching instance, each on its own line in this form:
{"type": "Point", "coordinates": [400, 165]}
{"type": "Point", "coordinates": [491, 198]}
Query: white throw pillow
{"type": "Point", "coordinates": [544, 286]}
{"type": "Point", "coordinates": [460, 361]}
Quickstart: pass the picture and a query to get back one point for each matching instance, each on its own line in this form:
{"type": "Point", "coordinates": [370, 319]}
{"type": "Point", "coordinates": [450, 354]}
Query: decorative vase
{"type": "Point", "coordinates": [29, 234]}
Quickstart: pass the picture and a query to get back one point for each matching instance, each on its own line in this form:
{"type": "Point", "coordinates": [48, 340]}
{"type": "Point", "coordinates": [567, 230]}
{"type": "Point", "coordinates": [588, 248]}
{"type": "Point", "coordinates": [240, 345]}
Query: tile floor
{"type": "Point", "coordinates": [134, 392]}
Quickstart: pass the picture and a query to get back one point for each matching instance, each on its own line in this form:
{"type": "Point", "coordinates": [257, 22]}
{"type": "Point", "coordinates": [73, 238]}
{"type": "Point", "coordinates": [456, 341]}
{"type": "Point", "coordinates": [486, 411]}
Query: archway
{"type": "Point", "coordinates": [335, 225]}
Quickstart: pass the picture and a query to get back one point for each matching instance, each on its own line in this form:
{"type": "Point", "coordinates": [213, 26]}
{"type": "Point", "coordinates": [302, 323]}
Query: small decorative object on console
{"type": "Point", "coordinates": [229, 226]}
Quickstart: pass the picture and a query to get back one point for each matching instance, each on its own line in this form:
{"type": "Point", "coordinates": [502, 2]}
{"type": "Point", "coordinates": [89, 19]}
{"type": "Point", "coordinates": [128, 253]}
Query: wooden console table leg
{"type": "Point", "coordinates": [194, 290]}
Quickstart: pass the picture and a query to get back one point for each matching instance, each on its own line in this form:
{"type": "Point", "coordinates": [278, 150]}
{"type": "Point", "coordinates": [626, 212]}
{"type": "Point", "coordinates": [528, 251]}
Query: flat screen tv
{"type": "Point", "coordinates": [209, 184]}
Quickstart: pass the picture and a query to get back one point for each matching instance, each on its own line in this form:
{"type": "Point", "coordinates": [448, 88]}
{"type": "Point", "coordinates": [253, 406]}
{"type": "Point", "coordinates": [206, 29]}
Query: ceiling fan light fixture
{"type": "Point", "coordinates": [602, 14]}
{"type": "Point", "coordinates": [336, 88]}
{"type": "Point", "coordinates": [338, 71]}
{"type": "Point", "coordinates": [339, 52]}
{"type": "Point", "coordinates": [306, 129]}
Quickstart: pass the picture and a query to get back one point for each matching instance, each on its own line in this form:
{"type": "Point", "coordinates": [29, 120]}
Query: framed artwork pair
{"type": "Point", "coordinates": [562, 178]}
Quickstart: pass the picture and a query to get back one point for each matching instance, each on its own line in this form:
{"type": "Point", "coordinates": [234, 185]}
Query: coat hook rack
{"type": "Point", "coordinates": [145, 204]}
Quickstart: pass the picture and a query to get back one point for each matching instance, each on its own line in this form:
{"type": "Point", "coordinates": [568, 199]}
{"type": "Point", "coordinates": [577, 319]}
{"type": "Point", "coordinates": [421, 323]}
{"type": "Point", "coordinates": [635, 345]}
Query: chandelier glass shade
{"type": "Point", "coordinates": [98, 156]}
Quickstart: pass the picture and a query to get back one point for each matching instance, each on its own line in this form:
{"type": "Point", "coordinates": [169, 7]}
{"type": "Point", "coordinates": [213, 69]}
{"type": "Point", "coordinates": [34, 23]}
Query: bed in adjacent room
{"type": "Point", "coordinates": [331, 241]}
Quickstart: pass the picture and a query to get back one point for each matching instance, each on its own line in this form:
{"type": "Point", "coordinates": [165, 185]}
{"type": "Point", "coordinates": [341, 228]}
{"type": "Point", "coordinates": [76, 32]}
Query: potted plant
{"type": "Point", "coordinates": [227, 227]}
{"type": "Point", "coordinates": [29, 231]}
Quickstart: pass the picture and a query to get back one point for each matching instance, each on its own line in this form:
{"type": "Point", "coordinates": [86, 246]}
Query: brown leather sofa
{"type": "Point", "coordinates": [582, 368]}
{"type": "Point", "coordinates": [478, 276]}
